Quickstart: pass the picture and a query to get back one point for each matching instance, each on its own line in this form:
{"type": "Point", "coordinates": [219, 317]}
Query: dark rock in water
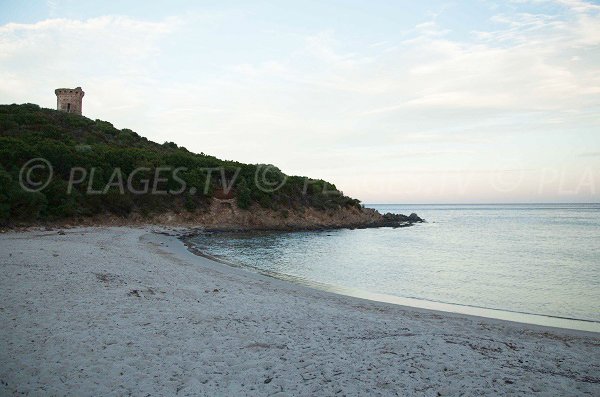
{"type": "Point", "coordinates": [389, 217]}
{"type": "Point", "coordinates": [398, 220]}
{"type": "Point", "coordinates": [414, 218]}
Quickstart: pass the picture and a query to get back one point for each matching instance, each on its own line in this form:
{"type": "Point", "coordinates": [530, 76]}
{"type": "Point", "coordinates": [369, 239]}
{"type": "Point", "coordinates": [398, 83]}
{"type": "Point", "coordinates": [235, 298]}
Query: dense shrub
{"type": "Point", "coordinates": [5, 186]}
{"type": "Point", "coordinates": [26, 206]}
{"type": "Point", "coordinates": [97, 149]}
{"type": "Point", "coordinates": [243, 194]}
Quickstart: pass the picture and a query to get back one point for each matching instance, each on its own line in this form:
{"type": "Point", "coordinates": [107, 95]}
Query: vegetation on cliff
{"type": "Point", "coordinates": [99, 169]}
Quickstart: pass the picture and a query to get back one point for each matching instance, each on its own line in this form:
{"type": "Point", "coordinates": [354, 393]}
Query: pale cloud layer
{"type": "Point", "coordinates": [429, 112]}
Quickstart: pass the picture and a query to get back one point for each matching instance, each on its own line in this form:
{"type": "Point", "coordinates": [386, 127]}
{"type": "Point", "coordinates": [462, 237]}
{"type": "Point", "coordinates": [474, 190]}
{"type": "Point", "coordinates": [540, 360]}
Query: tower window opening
{"type": "Point", "coordinates": [68, 107]}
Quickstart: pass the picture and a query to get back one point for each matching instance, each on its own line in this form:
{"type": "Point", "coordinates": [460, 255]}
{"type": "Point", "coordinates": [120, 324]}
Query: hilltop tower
{"type": "Point", "coordinates": [69, 99]}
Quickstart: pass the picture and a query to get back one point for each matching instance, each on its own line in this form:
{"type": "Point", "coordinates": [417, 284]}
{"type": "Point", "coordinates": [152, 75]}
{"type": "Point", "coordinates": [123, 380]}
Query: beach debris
{"type": "Point", "coordinates": [108, 278]}
{"type": "Point", "coordinates": [143, 293]}
{"type": "Point", "coordinates": [268, 380]}
{"type": "Point", "coordinates": [258, 345]}
{"type": "Point", "coordinates": [308, 376]}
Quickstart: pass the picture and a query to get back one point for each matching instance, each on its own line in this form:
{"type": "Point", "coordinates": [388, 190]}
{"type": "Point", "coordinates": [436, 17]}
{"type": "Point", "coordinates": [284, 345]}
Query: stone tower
{"type": "Point", "coordinates": [69, 99]}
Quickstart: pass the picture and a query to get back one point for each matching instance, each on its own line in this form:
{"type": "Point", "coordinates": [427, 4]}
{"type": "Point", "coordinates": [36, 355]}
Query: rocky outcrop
{"type": "Point", "coordinates": [397, 220]}
{"type": "Point", "coordinates": [226, 215]}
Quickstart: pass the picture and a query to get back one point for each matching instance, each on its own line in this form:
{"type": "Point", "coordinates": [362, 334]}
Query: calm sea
{"type": "Point", "coordinates": [535, 263]}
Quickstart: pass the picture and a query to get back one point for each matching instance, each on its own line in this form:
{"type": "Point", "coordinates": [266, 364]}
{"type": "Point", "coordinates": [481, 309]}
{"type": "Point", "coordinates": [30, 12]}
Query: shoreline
{"type": "Point", "coordinates": [126, 310]}
{"type": "Point", "coordinates": [523, 318]}
{"type": "Point", "coordinates": [557, 322]}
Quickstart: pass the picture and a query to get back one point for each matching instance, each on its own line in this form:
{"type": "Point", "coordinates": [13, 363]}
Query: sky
{"type": "Point", "coordinates": [393, 101]}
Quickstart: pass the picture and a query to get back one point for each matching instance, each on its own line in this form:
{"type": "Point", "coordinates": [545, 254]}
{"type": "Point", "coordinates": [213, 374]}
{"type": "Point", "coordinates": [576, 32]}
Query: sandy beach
{"type": "Point", "coordinates": [127, 311]}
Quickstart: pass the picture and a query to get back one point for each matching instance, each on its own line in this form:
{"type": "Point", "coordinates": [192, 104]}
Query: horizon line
{"type": "Point", "coordinates": [490, 203]}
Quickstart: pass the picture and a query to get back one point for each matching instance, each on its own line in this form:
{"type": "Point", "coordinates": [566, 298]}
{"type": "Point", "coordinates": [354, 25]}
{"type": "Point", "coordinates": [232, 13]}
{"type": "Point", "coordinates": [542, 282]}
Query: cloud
{"type": "Point", "coordinates": [580, 5]}
{"type": "Point", "coordinates": [319, 102]}
{"type": "Point", "coordinates": [528, 64]}
{"type": "Point", "coordinates": [590, 154]}
{"type": "Point", "coordinates": [62, 52]}
{"type": "Point", "coordinates": [112, 57]}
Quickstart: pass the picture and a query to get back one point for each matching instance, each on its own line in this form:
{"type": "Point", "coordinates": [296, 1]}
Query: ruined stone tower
{"type": "Point", "coordinates": [69, 99]}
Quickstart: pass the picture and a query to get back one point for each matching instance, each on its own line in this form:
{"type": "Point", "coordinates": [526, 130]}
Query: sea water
{"type": "Point", "coordinates": [536, 263]}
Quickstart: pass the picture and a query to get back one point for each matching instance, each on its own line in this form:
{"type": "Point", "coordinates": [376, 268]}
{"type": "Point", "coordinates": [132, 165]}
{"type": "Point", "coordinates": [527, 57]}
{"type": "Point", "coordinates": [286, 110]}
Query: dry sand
{"type": "Point", "coordinates": [118, 311]}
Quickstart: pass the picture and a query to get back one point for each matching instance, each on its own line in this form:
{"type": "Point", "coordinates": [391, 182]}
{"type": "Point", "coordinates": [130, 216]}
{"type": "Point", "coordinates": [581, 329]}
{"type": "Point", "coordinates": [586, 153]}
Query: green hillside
{"type": "Point", "coordinates": [74, 145]}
